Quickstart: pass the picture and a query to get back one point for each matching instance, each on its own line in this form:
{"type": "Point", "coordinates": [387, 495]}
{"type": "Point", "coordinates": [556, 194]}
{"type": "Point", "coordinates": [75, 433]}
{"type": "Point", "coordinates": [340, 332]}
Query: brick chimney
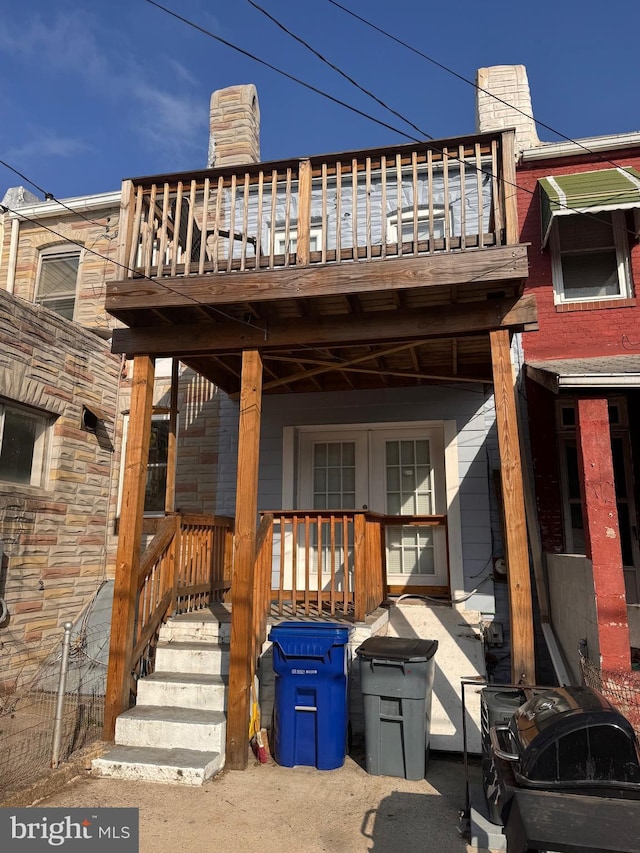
{"type": "Point", "coordinates": [510, 85]}
{"type": "Point", "coordinates": [234, 127]}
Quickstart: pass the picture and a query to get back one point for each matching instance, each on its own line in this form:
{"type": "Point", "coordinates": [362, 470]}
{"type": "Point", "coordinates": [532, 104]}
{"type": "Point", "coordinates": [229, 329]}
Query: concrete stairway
{"type": "Point", "coordinates": [176, 732]}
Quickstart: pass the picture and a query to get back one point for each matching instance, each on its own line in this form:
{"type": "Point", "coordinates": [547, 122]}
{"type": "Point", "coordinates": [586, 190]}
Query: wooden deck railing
{"type": "Point", "coordinates": [328, 562]}
{"type": "Point", "coordinates": [383, 203]}
{"type": "Point", "coordinates": [186, 566]}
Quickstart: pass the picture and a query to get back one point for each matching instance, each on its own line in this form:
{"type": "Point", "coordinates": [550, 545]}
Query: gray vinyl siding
{"type": "Point", "coordinates": [470, 406]}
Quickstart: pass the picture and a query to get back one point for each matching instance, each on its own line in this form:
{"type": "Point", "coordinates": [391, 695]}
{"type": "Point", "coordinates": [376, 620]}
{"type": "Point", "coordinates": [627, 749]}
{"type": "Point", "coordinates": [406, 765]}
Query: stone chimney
{"type": "Point", "coordinates": [234, 127]}
{"type": "Point", "coordinates": [500, 88]}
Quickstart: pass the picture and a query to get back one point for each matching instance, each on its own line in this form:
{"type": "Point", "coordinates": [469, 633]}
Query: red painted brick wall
{"type": "Point", "coordinates": [587, 329]}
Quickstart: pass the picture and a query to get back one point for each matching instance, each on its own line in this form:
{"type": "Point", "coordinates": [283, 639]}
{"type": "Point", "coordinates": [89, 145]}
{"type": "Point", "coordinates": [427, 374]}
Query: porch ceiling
{"type": "Point", "coordinates": [369, 340]}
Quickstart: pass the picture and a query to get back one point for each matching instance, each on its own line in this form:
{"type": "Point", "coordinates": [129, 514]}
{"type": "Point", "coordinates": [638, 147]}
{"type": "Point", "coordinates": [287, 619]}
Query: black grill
{"type": "Point", "coordinates": [566, 740]}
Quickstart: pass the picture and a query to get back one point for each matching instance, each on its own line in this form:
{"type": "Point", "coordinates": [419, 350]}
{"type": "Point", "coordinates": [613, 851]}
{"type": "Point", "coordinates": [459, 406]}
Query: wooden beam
{"type": "Point", "coordinates": [499, 263]}
{"type": "Point", "coordinates": [516, 547]}
{"type": "Point", "coordinates": [128, 552]}
{"type": "Point", "coordinates": [242, 589]}
{"type": "Point", "coordinates": [436, 322]}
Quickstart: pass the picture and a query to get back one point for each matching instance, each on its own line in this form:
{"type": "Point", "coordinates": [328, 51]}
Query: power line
{"type": "Point", "coordinates": [138, 275]}
{"type": "Point", "coordinates": [49, 196]}
{"type": "Point", "coordinates": [336, 69]}
{"type": "Point", "coordinates": [279, 70]}
{"type": "Point", "coordinates": [466, 80]}
{"type": "Point", "coordinates": [479, 169]}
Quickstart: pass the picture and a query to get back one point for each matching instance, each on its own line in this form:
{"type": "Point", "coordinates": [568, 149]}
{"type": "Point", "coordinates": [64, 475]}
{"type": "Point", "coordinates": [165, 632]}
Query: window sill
{"type": "Point", "coordinates": [596, 305]}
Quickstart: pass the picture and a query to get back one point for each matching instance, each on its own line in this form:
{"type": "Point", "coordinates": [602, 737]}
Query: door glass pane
{"type": "Point", "coordinates": [409, 484]}
{"type": "Point", "coordinates": [334, 475]}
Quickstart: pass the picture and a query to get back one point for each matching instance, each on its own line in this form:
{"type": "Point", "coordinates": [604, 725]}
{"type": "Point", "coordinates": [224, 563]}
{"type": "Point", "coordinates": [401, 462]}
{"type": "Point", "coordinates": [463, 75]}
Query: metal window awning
{"type": "Point", "coordinates": [616, 371]}
{"type": "Point", "coordinates": [587, 192]}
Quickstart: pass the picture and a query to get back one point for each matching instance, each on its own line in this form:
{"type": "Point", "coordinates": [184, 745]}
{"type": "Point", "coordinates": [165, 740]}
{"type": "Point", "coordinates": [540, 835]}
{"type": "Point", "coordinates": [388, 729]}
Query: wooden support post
{"type": "Point", "coordinates": [128, 553]}
{"type": "Point", "coordinates": [242, 590]}
{"type": "Point", "coordinates": [304, 213]}
{"type": "Point", "coordinates": [517, 552]}
{"type": "Point", "coordinates": [602, 532]}
{"type": "Point", "coordinates": [172, 449]}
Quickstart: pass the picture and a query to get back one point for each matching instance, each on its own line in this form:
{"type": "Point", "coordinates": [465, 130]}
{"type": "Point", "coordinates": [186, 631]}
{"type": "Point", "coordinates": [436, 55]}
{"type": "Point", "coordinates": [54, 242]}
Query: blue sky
{"type": "Point", "coordinates": [97, 91]}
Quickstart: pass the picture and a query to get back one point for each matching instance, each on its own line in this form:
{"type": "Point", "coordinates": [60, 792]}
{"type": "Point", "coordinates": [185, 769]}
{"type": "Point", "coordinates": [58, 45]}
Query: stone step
{"type": "Point", "coordinates": [184, 690]}
{"type": "Point", "coordinates": [188, 630]}
{"type": "Point", "coordinates": [211, 659]}
{"type": "Point", "coordinates": [181, 766]}
{"type": "Point", "coordinates": [165, 727]}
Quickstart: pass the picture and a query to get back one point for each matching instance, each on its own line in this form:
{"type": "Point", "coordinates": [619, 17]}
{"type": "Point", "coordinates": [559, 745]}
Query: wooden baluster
{"type": "Point", "coordinates": [147, 243]}
{"type": "Point", "coordinates": [399, 203]}
{"type": "Point", "coordinates": [414, 195]}
{"type": "Point", "coordinates": [332, 522]}
{"type": "Point", "coordinates": [338, 212]}
{"type": "Point", "coordinates": [383, 206]}
{"type": "Point", "coordinates": [447, 216]}
{"type": "Point", "coordinates": [368, 204]}
{"type": "Point", "coordinates": [175, 248]}
{"type": "Point", "coordinates": [274, 213]}
{"type": "Point", "coordinates": [245, 222]}
{"type": "Point", "coordinates": [206, 192]}
{"type": "Point", "coordinates": [497, 195]}
{"type": "Point", "coordinates": [136, 236]}
{"type": "Point", "coordinates": [232, 221]}
{"type": "Point", "coordinates": [190, 226]}
{"type": "Point", "coordinates": [283, 533]}
{"type": "Point", "coordinates": [319, 524]}
{"type": "Point", "coordinates": [432, 236]}
{"type": "Point", "coordinates": [463, 198]}
{"type": "Point", "coordinates": [479, 184]}
{"type": "Point", "coordinates": [307, 562]}
{"type": "Point", "coordinates": [354, 209]}
{"type": "Point", "coordinates": [359, 567]}
{"type": "Point", "coordinates": [510, 189]}
{"type": "Point", "coordinates": [325, 225]}
{"type": "Point", "coordinates": [164, 224]}
{"type": "Point", "coordinates": [216, 224]}
{"type": "Point", "coordinates": [258, 245]}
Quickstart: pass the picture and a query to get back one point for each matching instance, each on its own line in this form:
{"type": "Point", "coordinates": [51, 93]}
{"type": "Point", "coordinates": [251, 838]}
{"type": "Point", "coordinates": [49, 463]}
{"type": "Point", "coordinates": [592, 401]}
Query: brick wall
{"type": "Point", "coordinates": [579, 330]}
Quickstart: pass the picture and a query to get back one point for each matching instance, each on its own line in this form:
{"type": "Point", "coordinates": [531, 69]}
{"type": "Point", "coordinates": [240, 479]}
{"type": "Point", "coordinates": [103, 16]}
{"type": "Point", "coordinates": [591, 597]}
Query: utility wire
{"type": "Point", "coordinates": [403, 118]}
{"type": "Point", "coordinates": [50, 196]}
{"type": "Point", "coordinates": [469, 82]}
{"type": "Point", "coordinates": [138, 275]}
{"type": "Point", "coordinates": [322, 58]}
{"type": "Point", "coordinates": [279, 70]}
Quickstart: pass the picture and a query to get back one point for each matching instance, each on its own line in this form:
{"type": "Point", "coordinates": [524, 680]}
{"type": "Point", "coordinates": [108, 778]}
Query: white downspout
{"type": "Point", "coordinates": [13, 255]}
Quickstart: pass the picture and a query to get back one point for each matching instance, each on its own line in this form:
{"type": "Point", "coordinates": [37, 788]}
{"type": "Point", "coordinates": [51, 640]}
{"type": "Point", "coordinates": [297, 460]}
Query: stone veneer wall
{"type": "Point", "coordinates": [58, 543]}
{"type": "Point", "coordinates": [98, 235]}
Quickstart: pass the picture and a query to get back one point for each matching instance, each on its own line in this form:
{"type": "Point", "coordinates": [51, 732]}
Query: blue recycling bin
{"type": "Point", "coordinates": [311, 709]}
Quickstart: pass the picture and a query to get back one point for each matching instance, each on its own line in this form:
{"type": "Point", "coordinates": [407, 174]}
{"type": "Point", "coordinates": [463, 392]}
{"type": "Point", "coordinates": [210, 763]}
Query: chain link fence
{"type": "Point", "coordinates": [622, 689]}
{"type": "Point", "coordinates": [46, 713]}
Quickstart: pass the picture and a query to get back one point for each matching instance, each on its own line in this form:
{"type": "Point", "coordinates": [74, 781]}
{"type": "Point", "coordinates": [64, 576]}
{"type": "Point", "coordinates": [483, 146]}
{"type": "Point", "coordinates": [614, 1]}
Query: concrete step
{"type": "Point", "coordinates": [182, 766]}
{"type": "Point", "coordinates": [165, 727]}
{"type": "Point", "coordinates": [208, 658]}
{"type": "Point", "coordinates": [184, 690]}
{"type": "Point", "coordinates": [184, 629]}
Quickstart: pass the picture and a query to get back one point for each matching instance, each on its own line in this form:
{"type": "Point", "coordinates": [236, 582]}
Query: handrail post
{"type": "Point", "coordinates": [304, 213]}
{"type": "Point", "coordinates": [125, 230]}
{"type": "Point", "coordinates": [508, 168]}
{"type": "Point", "coordinates": [359, 566]}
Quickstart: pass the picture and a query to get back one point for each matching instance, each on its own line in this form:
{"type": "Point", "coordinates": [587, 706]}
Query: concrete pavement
{"type": "Point", "coordinates": [272, 809]}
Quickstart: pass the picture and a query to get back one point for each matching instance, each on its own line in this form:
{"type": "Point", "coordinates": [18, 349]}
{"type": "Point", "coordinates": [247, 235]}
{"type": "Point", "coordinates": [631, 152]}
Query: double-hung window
{"type": "Point", "coordinates": [58, 281]}
{"type": "Point", "coordinates": [590, 257]}
{"type": "Point", "coordinates": [23, 434]}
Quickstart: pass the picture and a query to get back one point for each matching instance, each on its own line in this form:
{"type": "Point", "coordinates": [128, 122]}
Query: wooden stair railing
{"type": "Point", "coordinates": [187, 565]}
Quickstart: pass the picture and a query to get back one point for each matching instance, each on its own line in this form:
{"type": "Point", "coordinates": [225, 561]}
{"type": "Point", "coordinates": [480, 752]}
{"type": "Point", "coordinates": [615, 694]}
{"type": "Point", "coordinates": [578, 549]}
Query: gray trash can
{"type": "Point", "coordinates": [396, 678]}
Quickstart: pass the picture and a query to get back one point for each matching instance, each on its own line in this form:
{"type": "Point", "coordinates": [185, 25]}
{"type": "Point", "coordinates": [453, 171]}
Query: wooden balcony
{"type": "Point", "coordinates": [286, 254]}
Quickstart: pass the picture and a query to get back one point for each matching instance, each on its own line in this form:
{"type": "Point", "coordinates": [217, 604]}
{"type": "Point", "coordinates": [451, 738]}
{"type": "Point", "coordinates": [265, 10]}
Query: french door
{"type": "Point", "coordinates": [395, 471]}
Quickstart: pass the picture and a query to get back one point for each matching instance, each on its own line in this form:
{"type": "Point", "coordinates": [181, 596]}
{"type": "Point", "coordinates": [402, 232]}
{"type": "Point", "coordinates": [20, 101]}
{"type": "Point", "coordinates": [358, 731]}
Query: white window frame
{"type": "Point", "coordinates": [621, 245]}
{"type": "Point", "coordinates": [39, 454]}
{"type": "Point", "coordinates": [125, 436]}
{"type": "Point", "coordinates": [52, 253]}
{"type": "Point", "coordinates": [280, 240]}
{"type": "Point", "coordinates": [406, 216]}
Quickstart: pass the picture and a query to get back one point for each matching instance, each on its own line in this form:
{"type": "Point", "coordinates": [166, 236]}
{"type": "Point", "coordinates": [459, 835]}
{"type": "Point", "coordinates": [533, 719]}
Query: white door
{"type": "Point", "coordinates": [390, 470]}
{"type": "Point", "coordinates": [407, 478]}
